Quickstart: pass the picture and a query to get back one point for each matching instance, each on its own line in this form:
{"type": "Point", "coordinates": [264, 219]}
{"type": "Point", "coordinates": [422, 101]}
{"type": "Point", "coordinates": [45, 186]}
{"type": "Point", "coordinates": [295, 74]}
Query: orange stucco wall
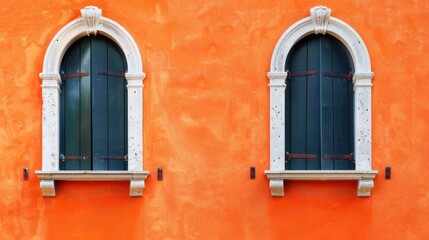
{"type": "Point", "coordinates": [206, 122]}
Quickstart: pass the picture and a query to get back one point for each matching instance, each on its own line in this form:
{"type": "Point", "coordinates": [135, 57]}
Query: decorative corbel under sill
{"type": "Point", "coordinates": [136, 178]}
{"type": "Point", "coordinates": [365, 179]}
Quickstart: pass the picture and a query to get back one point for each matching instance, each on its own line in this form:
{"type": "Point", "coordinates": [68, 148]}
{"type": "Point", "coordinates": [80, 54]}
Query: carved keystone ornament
{"type": "Point", "coordinates": [320, 16]}
{"type": "Point", "coordinates": [91, 15]}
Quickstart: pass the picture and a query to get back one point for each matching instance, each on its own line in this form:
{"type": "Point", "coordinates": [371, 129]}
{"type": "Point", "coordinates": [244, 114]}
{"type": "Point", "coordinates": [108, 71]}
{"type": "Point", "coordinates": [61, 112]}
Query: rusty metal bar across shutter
{"type": "Point", "coordinates": [75, 75]}
{"type": "Point", "coordinates": [125, 158]}
{"type": "Point", "coordinates": [339, 156]}
{"type": "Point", "coordinates": [64, 158]}
{"type": "Point", "coordinates": [300, 74]}
{"type": "Point", "coordinates": [347, 76]}
{"type": "Point", "coordinates": [296, 156]}
{"type": "Point", "coordinates": [115, 74]}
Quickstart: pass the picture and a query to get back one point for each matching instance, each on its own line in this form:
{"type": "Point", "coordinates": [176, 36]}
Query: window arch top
{"type": "Point", "coordinates": [92, 22]}
{"type": "Point", "coordinates": [321, 22]}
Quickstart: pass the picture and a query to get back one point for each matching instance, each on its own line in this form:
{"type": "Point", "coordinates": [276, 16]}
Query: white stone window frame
{"type": "Point", "coordinates": [91, 23]}
{"type": "Point", "coordinates": [321, 22]}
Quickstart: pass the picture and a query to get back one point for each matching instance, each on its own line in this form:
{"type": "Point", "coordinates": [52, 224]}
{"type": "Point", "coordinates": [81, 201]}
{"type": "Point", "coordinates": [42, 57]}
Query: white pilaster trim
{"type": "Point", "coordinates": [321, 22]}
{"type": "Point", "coordinates": [362, 82]}
{"type": "Point", "coordinates": [90, 22]}
{"type": "Point", "coordinates": [277, 112]}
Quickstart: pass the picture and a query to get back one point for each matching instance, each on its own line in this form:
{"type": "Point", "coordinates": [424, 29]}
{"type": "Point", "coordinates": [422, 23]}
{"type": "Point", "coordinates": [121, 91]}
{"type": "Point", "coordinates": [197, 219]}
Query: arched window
{"type": "Point", "coordinates": [92, 117]}
{"type": "Point", "coordinates": [319, 106]}
{"type": "Point", "coordinates": [93, 106]}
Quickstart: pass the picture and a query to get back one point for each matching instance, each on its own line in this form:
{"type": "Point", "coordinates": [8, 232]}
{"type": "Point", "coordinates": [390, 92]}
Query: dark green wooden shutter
{"type": "Point", "coordinates": [75, 108]}
{"type": "Point", "coordinates": [319, 105]}
{"type": "Point", "coordinates": [93, 106]}
{"type": "Point", "coordinates": [337, 105]}
{"type": "Point", "coordinates": [304, 104]}
{"type": "Point", "coordinates": [109, 105]}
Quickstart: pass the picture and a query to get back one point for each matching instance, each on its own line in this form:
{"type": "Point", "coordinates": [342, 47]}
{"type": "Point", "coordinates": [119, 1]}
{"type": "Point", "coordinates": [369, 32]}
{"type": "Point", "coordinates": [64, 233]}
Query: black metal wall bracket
{"type": "Point", "coordinates": [160, 175]}
{"type": "Point", "coordinates": [25, 171]}
{"type": "Point", "coordinates": [252, 172]}
{"type": "Point", "coordinates": [388, 172]}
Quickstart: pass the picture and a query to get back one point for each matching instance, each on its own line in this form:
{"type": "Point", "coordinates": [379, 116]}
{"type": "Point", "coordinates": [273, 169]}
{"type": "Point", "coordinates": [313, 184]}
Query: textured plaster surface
{"type": "Point", "coordinates": [206, 122]}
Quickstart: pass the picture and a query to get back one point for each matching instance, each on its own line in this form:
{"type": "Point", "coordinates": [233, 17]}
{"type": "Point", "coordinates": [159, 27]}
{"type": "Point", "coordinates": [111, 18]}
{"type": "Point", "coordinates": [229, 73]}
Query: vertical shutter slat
{"type": "Point", "coordinates": [116, 109]}
{"type": "Point", "coordinates": [298, 87]}
{"type": "Point", "coordinates": [62, 112]}
{"type": "Point", "coordinates": [72, 109]}
{"type": "Point", "coordinates": [99, 102]}
{"type": "Point", "coordinates": [85, 105]}
{"type": "Point", "coordinates": [341, 120]}
{"type": "Point", "coordinates": [327, 105]}
{"type": "Point", "coordinates": [313, 105]}
{"type": "Point", "coordinates": [350, 95]}
{"type": "Point", "coordinates": [288, 119]}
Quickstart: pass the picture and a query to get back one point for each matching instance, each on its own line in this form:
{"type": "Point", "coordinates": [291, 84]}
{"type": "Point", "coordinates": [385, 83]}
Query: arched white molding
{"type": "Point", "coordinates": [91, 22]}
{"type": "Point", "coordinates": [321, 22]}
{"type": "Point", "coordinates": [83, 27]}
{"type": "Point", "coordinates": [335, 27]}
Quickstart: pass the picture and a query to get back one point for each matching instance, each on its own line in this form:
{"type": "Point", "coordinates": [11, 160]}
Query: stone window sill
{"type": "Point", "coordinates": [365, 179]}
{"type": "Point", "coordinates": [48, 178]}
